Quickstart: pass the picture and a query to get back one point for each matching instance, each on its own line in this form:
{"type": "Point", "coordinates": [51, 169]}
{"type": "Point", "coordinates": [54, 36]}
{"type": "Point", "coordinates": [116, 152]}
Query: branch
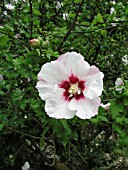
{"type": "Point", "coordinates": [21, 42]}
{"type": "Point", "coordinates": [72, 26]}
{"type": "Point", "coordinates": [22, 133]}
{"type": "Point", "coordinates": [93, 135]}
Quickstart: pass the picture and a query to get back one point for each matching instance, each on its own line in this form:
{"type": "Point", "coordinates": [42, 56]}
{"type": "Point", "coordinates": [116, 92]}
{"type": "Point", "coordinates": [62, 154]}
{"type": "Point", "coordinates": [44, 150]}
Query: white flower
{"type": "Point", "coordinates": [70, 86]}
{"type": "Point", "coordinates": [5, 13]}
{"type": "Point", "coordinates": [113, 2]}
{"type": "Point", "coordinates": [105, 106]}
{"type": "Point", "coordinates": [125, 59]}
{"type": "Point", "coordinates": [9, 6]}
{"type": "Point", "coordinates": [58, 5]}
{"type": "Point", "coordinates": [1, 27]}
{"type": "Point", "coordinates": [65, 16]}
{"type": "Point", "coordinates": [119, 83]}
{"type": "Point", "coordinates": [112, 11]}
{"type": "Point", "coordinates": [26, 166]}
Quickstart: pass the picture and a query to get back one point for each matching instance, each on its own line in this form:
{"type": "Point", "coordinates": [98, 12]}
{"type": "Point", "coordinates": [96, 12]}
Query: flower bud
{"type": "Point", "coordinates": [26, 166]}
{"type": "Point", "coordinates": [119, 84]}
{"type": "Point", "coordinates": [34, 42]}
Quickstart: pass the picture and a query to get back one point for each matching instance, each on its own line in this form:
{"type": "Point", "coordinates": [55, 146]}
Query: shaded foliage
{"type": "Point", "coordinates": [26, 132]}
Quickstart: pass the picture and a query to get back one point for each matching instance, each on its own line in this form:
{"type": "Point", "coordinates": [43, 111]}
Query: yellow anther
{"type": "Point", "coordinates": [73, 89]}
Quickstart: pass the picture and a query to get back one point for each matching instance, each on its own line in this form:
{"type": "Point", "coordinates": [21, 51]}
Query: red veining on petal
{"type": "Point", "coordinates": [66, 96]}
{"type": "Point", "coordinates": [73, 79]}
{"type": "Point", "coordinates": [79, 96]}
{"type": "Point", "coordinates": [65, 85]}
{"type": "Point", "coordinates": [81, 85]}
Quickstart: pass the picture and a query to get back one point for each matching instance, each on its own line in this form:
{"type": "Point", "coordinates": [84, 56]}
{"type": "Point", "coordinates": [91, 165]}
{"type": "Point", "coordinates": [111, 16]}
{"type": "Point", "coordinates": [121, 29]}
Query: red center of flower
{"type": "Point", "coordinates": [73, 88]}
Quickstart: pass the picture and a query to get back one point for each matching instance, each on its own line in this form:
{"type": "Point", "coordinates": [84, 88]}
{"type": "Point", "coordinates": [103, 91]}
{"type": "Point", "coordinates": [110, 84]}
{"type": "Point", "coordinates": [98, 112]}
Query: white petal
{"type": "Point", "coordinates": [53, 72]}
{"type": "Point", "coordinates": [105, 106]}
{"type": "Point", "coordinates": [9, 6]}
{"type": "Point", "coordinates": [57, 106]}
{"type": "Point", "coordinates": [81, 70]}
{"type": "Point", "coordinates": [119, 89]}
{"type": "Point", "coordinates": [70, 60]}
{"type": "Point", "coordinates": [85, 108]}
{"type": "Point", "coordinates": [112, 10]}
{"type": "Point", "coordinates": [44, 90]}
{"type": "Point", "coordinates": [94, 83]}
{"type": "Point", "coordinates": [50, 75]}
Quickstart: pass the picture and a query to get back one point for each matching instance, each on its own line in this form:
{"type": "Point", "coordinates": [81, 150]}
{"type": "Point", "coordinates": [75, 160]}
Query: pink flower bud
{"type": "Point", "coordinates": [34, 42]}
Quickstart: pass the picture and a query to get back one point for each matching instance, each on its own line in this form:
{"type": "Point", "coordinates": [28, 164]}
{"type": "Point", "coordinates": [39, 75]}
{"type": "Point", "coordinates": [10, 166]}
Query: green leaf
{"type": "Point", "coordinates": [1, 93]}
{"type": "Point", "coordinates": [1, 126]}
{"type": "Point", "coordinates": [3, 39]}
{"type": "Point", "coordinates": [103, 118]}
{"type": "Point", "coordinates": [42, 136]}
{"type": "Point", "coordinates": [117, 128]}
{"type": "Point", "coordinates": [61, 129]}
{"type": "Point", "coordinates": [77, 1]}
{"type": "Point", "coordinates": [126, 11]}
{"type": "Point", "coordinates": [104, 33]}
{"type": "Point", "coordinates": [126, 101]}
{"type": "Point", "coordinates": [99, 18]}
{"type": "Point", "coordinates": [116, 108]}
{"type": "Point", "coordinates": [119, 151]}
{"type": "Point", "coordinates": [119, 120]}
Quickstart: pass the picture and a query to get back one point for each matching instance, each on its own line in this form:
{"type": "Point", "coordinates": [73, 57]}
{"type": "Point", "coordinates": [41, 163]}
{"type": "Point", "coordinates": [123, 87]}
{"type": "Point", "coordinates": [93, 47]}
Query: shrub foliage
{"type": "Point", "coordinates": [26, 132]}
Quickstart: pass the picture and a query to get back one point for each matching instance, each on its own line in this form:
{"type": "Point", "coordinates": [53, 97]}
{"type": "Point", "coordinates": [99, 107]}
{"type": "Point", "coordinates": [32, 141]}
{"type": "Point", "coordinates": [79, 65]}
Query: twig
{"type": "Point", "coordinates": [54, 158]}
{"type": "Point", "coordinates": [72, 26]}
{"type": "Point", "coordinates": [22, 133]}
{"type": "Point", "coordinates": [93, 136]}
{"type": "Point", "coordinates": [21, 42]}
{"type": "Point", "coordinates": [37, 121]}
{"type": "Point", "coordinates": [19, 149]}
{"type": "Point", "coordinates": [31, 19]}
{"type": "Point", "coordinates": [79, 153]}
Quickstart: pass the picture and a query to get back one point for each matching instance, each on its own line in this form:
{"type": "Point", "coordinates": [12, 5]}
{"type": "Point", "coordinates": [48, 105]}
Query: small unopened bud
{"type": "Point", "coordinates": [26, 166]}
{"type": "Point", "coordinates": [119, 84]}
{"type": "Point", "coordinates": [34, 42]}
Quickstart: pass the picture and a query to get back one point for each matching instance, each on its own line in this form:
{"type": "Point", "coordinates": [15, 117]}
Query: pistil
{"type": "Point", "coordinates": [74, 89]}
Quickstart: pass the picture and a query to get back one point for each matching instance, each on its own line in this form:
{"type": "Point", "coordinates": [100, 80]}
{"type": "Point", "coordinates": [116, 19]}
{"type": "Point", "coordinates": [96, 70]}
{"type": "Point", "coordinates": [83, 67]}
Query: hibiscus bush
{"type": "Point", "coordinates": [54, 49]}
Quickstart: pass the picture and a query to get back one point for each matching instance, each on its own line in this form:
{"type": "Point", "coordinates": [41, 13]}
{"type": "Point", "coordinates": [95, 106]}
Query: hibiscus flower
{"type": "Point", "coordinates": [70, 86]}
{"type": "Point", "coordinates": [9, 6]}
